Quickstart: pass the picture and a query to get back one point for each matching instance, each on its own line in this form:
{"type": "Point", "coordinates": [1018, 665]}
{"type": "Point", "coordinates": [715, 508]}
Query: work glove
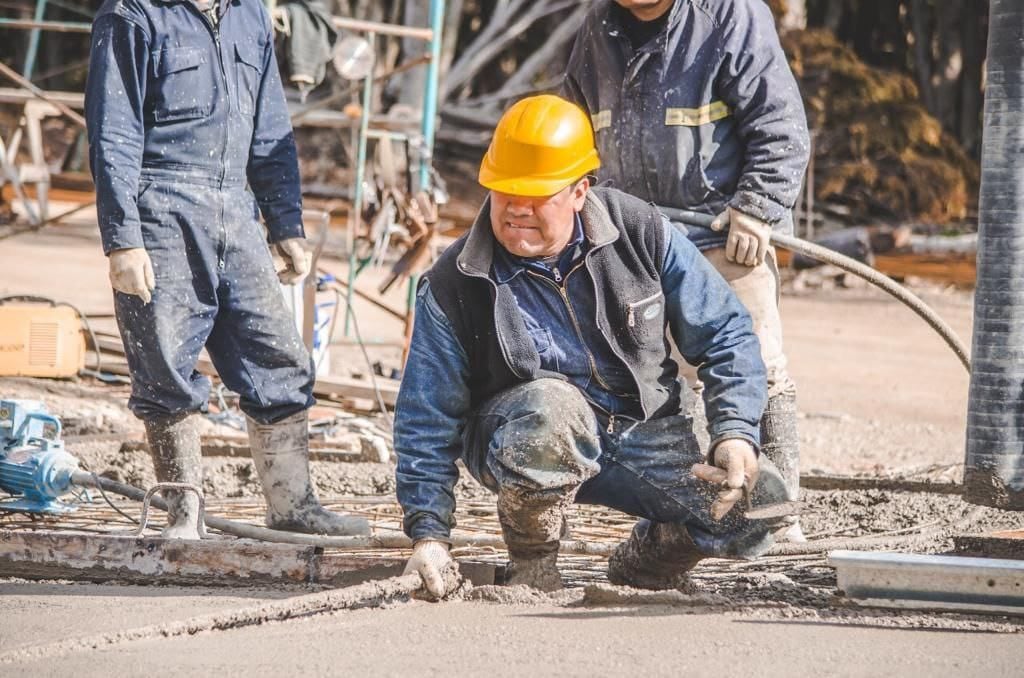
{"type": "Point", "coordinates": [430, 558]}
{"type": "Point", "coordinates": [131, 272]}
{"type": "Point", "coordinates": [297, 260]}
{"type": "Point", "coordinates": [748, 240]}
{"type": "Point", "coordinates": [735, 470]}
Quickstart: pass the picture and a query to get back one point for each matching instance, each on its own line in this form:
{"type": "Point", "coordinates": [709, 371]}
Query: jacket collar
{"type": "Point", "coordinates": [478, 254]}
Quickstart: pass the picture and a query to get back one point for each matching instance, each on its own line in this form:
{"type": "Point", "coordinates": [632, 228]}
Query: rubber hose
{"type": "Point", "coordinates": [573, 547]}
{"type": "Point", "coordinates": [849, 265]}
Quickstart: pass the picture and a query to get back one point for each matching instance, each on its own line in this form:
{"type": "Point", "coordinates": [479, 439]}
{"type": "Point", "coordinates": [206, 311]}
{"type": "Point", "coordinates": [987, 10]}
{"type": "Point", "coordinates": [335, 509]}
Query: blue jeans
{"type": "Point", "coordinates": [542, 444]}
{"type": "Point", "coordinates": [215, 287]}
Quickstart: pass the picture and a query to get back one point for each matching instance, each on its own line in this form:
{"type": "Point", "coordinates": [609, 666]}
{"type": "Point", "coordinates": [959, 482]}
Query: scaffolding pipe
{"type": "Point", "coordinates": [429, 121]}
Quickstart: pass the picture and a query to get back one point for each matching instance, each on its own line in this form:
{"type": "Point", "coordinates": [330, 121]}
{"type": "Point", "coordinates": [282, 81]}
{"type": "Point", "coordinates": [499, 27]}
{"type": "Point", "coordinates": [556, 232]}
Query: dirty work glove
{"type": "Point", "coordinates": [296, 260]}
{"type": "Point", "coordinates": [131, 272]}
{"type": "Point", "coordinates": [748, 237]}
{"type": "Point", "coordinates": [430, 558]}
{"type": "Point", "coordinates": [735, 464]}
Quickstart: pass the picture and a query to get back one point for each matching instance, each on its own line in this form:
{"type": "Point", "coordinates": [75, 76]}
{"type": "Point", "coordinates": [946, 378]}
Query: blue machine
{"type": "Point", "coordinates": [33, 463]}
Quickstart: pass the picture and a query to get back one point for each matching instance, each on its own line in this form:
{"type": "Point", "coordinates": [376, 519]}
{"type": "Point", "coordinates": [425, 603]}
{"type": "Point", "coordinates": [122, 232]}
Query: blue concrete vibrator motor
{"type": "Point", "coordinates": [34, 467]}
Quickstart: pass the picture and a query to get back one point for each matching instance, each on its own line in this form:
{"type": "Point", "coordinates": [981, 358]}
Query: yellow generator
{"type": "Point", "coordinates": [40, 340]}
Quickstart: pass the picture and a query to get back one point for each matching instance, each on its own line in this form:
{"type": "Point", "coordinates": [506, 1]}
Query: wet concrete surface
{"type": "Point", "coordinates": [476, 638]}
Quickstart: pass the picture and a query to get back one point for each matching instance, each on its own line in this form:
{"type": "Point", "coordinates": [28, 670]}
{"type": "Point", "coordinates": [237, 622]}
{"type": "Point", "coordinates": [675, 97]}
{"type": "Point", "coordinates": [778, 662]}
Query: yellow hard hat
{"type": "Point", "coordinates": [541, 145]}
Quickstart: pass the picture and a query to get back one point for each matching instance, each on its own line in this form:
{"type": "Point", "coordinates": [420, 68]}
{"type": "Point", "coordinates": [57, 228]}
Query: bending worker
{"type": "Point", "coordinates": [185, 107]}
{"type": "Point", "coordinates": [695, 108]}
{"type": "Point", "coordinates": [539, 357]}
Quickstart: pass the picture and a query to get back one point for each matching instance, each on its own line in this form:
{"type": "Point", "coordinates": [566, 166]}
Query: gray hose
{"type": "Point", "coordinates": [849, 265]}
{"type": "Point", "coordinates": [490, 541]}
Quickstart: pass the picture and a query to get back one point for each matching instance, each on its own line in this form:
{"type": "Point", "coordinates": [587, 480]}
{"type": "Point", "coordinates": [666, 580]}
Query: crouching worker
{"type": "Point", "coordinates": [539, 357]}
{"type": "Point", "coordinates": [189, 139]}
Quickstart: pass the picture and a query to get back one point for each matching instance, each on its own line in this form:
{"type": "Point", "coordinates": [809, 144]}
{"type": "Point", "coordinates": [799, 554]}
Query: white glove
{"type": "Point", "coordinates": [735, 465]}
{"type": "Point", "coordinates": [748, 237]}
{"type": "Point", "coordinates": [131, 272]}
{"type": "Point", "coordinates": [430, 558]}
{"type": "Point", "coordinates": [297, 260]}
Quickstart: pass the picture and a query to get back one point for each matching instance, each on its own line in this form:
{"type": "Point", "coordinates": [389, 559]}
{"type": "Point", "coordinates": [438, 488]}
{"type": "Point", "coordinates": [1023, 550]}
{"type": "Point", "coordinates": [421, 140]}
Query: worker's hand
{"type": "Point", "coordinates": [748, 240]}
{"type": "Point", "coordinates": [431, 558]}
{"type": "Point", "coordinates": [131, 272]}
{"type": "Point", "coordinates": [735, 464]}
{"type": "Point", "coordinates": [297, 260]}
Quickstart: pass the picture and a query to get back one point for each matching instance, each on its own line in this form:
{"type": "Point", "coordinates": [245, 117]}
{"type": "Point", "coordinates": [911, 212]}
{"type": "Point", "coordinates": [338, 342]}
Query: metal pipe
{"type": "Point", "coordinates": [424, 34]}
{"type": "Point", "coordinates": [429, 120]}
{"type": "Point", "coordinates": [33, 41]}
{"type": "Point", "coordinates": [356, 217]}
{"type": "Point", "coordinates": [54, 26]}
{"type": "Point", "coordinates": [994, 456]}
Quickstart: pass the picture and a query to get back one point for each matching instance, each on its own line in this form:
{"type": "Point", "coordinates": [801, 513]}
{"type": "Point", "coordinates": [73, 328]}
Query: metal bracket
{"type": "Point", "coordinates": [160, 487]}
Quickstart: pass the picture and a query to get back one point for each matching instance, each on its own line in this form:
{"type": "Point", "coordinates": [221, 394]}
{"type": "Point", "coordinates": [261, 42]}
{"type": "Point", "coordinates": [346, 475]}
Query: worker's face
{"type": "Point", "coordinates": [537, 227]}
{"type": "Point", "coordinates": [646, 10]}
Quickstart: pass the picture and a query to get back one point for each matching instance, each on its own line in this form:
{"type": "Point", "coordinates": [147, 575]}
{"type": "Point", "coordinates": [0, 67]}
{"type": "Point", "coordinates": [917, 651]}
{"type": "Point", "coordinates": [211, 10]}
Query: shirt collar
{"type": "Point", "coordinates": [507, 265]}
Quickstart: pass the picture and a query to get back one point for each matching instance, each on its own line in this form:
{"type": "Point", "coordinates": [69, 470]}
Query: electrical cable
{"type": "Point", "coordinates": [99, 486]}
{"type": "Point", "coordinates": [369, 365]}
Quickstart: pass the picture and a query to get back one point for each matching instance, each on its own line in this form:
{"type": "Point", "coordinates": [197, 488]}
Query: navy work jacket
{"type": "Point", "coordinates": [171, 92]}
{"type": "Point", "coordinates": [706, 115]}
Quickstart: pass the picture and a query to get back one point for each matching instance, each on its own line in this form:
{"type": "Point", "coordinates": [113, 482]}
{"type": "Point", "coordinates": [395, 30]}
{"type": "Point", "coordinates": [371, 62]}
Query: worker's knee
{"type": "Point", "coordinates": [548, 438]}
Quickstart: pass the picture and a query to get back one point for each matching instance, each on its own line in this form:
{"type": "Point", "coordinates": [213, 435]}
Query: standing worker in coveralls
{"type": "Point", "coordinates": [190, 141]}
{"type": "Point", "coordinates": [540, 359]}
{"type": "Point", "coordinates": [695, 108]}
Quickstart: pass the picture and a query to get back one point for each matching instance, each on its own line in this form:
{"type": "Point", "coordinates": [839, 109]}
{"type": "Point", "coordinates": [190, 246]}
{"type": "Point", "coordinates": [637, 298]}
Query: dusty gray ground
{"type": "Point", "coordinates": [879, 395]}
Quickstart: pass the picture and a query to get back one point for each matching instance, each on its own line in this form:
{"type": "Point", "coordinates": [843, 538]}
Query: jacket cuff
{"type": "Point", "coordinates": [736, 429]}
{"type": "Point", "coordinates": [427, 526]}
{"type": "Point", "coordinates": [284, 231]}
{"type": "Point", "coordinates": [759, 207]}
{"type": "Point", "coordinates": [121, 237]}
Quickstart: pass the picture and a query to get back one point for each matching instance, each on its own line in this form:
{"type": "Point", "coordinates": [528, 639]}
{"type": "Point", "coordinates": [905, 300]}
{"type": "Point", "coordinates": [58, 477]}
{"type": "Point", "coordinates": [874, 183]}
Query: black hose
{"type": "Point", "coordinates": [849, 265]}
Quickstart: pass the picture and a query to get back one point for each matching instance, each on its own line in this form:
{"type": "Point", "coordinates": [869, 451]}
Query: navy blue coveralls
{"type": "Point", "coordinates": [182, 114]}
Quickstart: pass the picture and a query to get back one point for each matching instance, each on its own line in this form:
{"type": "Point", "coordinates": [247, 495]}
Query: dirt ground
{"type": "Point", "coordinates": [879, 395]}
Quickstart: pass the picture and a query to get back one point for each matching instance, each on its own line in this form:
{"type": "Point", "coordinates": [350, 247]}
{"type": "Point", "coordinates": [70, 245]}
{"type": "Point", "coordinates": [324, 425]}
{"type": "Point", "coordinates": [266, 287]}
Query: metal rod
{"type": "Point", "coordinates": [54, 26]}
{"type": "Point", "coordinates": [356, 216]}
{"type": "Point", "coordinates": [21, 80]}
{"type": "Point", "coordinates": [33, 42]}
{"type": "Point", "coordinates": [431, 94]}
{"type": "Point", "coordinates": [371, 27]}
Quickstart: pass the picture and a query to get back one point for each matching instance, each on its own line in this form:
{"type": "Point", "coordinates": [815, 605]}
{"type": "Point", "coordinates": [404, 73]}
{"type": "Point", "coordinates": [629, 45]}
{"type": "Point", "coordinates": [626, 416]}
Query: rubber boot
{"type": "Point", "coordinates": [177, 458]}
{"type": "Point", "coordinates": [780, 444]}
{"type": "Point", "coordinates": [657, 556]}
{"type": "Point", "coordinates": [531, 524]}
{"type": "Point", "coordinates": [280, 453]}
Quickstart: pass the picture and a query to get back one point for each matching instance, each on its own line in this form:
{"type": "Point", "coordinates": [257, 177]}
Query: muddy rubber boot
{"type": "Point", "coordinates": [657, 556]}
{"type": "Point", "coordinates": [780, 444]}
{"type": "Point", "coordinates": [531, 524]}
{"type": "Point", "coordinates": [280, 453]}
{"type": "Point", "coordinates": [177, 458]}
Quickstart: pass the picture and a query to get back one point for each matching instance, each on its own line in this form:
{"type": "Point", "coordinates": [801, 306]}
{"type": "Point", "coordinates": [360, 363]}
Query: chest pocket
{"type": "Point", "coordinates": [645, 318]}
{"type": "Point", "coordinates": [181, 86]}
{"type": "Point", "coordinates": [248, 71]}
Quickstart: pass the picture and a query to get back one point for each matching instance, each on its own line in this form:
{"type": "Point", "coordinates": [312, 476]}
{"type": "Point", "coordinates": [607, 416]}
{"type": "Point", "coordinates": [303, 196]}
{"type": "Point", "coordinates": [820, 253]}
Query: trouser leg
{"type": "Point", "coordinates": [534, 445]}
{"type": "Point", "coordinates": [645, 471]}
